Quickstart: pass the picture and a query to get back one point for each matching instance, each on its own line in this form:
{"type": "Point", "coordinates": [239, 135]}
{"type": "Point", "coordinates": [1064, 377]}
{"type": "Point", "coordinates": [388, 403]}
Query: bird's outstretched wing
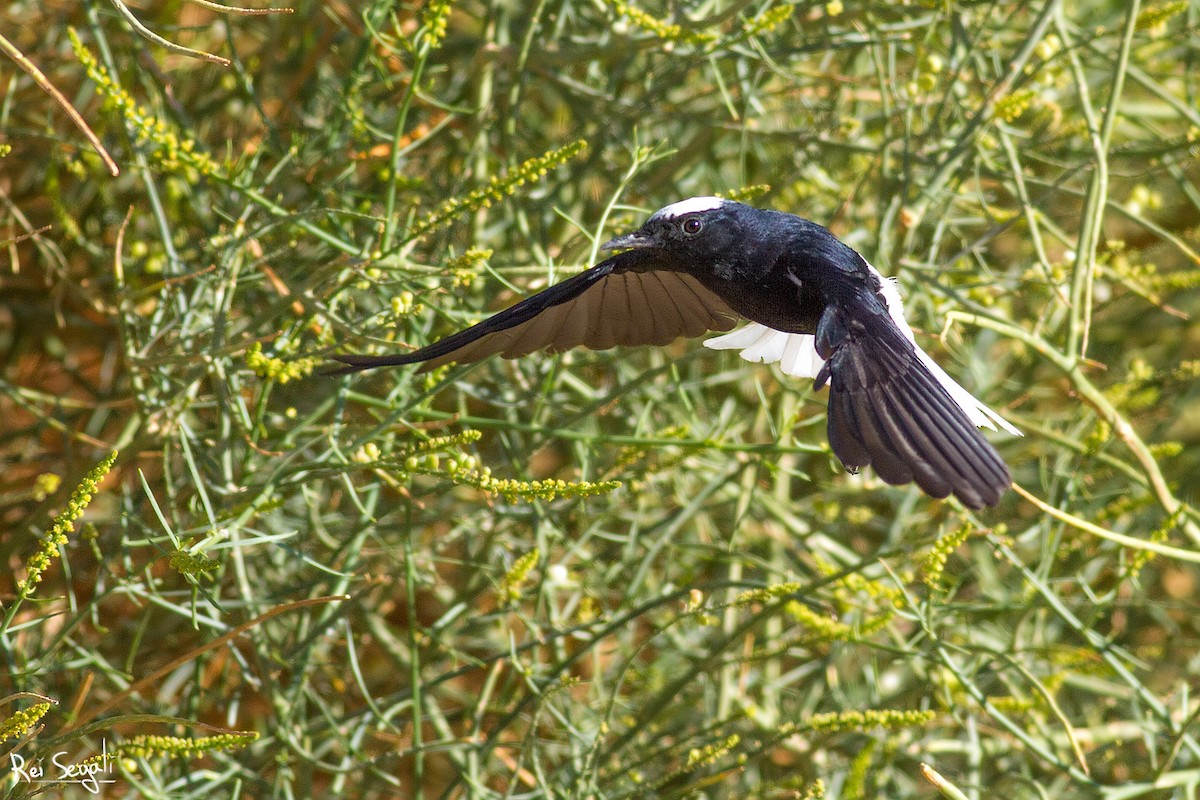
{"type": "Point", "coordinates": [887, 409]}
{"type": "Point", "coordinates": [633, 298]}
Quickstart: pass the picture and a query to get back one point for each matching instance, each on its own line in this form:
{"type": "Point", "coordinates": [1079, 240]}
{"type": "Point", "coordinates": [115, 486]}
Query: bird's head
{"type": "Point", "coordinates": [696, 229]}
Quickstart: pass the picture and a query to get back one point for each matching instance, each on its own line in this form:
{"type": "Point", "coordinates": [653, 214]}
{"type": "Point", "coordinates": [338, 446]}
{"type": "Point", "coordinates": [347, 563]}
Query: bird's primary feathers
{"type": "Point", "coordinates": [816, 307]}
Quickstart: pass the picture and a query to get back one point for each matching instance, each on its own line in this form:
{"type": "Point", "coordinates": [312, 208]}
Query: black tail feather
{"type": "Point", "coordinates": [886, 409]}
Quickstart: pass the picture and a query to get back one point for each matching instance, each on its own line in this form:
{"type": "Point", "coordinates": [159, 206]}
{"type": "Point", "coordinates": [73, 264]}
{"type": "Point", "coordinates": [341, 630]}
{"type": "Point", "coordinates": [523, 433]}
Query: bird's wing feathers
{"type": "Point", "coordinates": [629, 299]}
{"type": "Point", "coordinates": [795, 352]}
{"type": "Point", "coordinates": [888, 410]}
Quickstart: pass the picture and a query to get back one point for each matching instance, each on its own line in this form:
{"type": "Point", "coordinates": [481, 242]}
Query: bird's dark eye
{"type": "Point", "coordinates": [691, 226]}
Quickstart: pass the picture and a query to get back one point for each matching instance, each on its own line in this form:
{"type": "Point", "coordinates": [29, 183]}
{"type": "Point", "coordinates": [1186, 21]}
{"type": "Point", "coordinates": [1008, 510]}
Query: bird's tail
{"type": "Point", "coordinates": [887, 409]}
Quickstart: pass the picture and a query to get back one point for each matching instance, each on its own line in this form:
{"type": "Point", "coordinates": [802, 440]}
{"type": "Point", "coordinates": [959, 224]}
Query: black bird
{"type": "Point", "coordinates": [816, 307]}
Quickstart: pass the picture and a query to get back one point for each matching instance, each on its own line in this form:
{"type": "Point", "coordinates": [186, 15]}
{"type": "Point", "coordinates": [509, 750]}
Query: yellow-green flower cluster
{"type": "Point", "coordinates": [276, 369]}
{"type": "Point", "coordinates": [548, 489]}
{"type": "Point", "coordinates": [1138, 559]}
{"type": "Point", "coordinates": [666, 31]}
{"type": "Point", "coordinates": [1017, 705]}
{"type": "Point", "coordinates": [433, 28]}
{"type": "Point", "coordinates": [1153, 19]}
{"type": "Point", "coordinates": [695, 608]}
{"type": "Point", "coordinates": [837, 721]}
{"type": "Point", "coordinates": [849, 589]}
{"type": "Point", "coordinates": [703, 756]}
{"type": "Point", "coordinates": [63, 524]}
{"type": "Point", "coordinates": [1011, 107]}
{"type": "Point", "coordinates": [149, 745]}
{"type": "Point", "coordinates": [435, 376]}
{"type": "Point", "coordinates": [767, 21]}
{"type": "Point", "coordinates": [824, 628]}
{"type": "Point", "coordinates": [1176, 280]}
{"type": "Point", "coordinates": [186, 562]}
{"type": "Point", "coordinates": [425, 458]}
{"type": "Point", "coordinates": [498, 187]}
{"type": "Point", "coordinates": [858, 514]}
{"type": "Point", "coordinates": [855, 785]}
{"type": "Point", "coordinates": [404, 305]}
{"type": "Point", "coordinates": [1168, 449]}
{"type": "Point", "coordinates": [465, 268]}
{"type": "Point", "coordinates": [45, 485]}
{"type": "Point", "coordinates": [509, 591]}
{"type": "Point", "coordinates": [368, 453]}
{"type": "Point", "coordinates": [926, 76]}
{"type": "Point", "coordinates": [767, 594]}
{"type": "Point", "coordinates": [1143, 198]}
{"type": "Point", "coordinates": [22, 721]}
{"type": "Point", "coordinates": [747, 193]}
{"type": "Point", "coordinates": [168, 149]}
{"type": "Point", "coordinates": [434, 444]}
{"type": "Point", "coordinates": [699, 757]}
{"type": "Point", "coordinates": [1140, 389]}
{"type": "Point", "coordinates": [934, 563]}
{"type": "Point", "coordinates": [1187, 370]}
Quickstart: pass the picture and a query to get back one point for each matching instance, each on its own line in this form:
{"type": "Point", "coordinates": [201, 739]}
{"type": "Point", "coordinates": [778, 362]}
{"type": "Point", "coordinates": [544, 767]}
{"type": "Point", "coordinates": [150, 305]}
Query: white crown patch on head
{"type": "Point", "coordinates": [689, 206]}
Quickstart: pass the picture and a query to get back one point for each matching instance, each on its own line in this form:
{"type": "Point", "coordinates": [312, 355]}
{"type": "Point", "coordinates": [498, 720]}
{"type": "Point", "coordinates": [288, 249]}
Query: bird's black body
{"type": "Point", "coordinates": [786, 282]}
{"type": "Point", "coordinates": [696, 266]}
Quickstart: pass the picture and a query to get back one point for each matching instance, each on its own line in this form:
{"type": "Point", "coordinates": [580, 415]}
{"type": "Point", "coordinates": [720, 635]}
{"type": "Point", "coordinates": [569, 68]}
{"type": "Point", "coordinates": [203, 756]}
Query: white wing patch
{"type": "Point", "coordinates": [690, 206]}
{"type": "Point", "coordinates": [797, 354]}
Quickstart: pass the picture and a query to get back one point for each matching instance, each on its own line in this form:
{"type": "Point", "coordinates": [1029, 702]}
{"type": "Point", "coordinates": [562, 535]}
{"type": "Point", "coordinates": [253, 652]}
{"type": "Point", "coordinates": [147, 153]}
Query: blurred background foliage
{"type": "Point", "coordinates": [432, 584]}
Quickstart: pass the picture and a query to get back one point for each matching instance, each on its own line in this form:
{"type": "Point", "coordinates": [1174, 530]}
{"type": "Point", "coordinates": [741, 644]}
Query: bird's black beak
{"type": "Point", "coordinates": [630, 241]}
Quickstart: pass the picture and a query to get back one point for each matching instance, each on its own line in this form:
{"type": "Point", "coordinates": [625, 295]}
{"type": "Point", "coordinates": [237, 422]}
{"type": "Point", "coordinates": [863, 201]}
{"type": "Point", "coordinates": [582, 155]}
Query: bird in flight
{"type": "Point", "coordinates": [815, 306]}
